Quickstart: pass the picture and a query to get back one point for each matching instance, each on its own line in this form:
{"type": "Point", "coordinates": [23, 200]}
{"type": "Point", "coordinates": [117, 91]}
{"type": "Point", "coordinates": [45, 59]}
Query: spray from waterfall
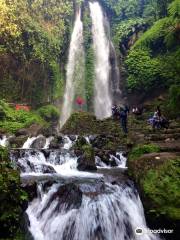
{"type": "Point", "coordinates": [74, 67]}
{"type": "Point", "coordinates": [103, 101]}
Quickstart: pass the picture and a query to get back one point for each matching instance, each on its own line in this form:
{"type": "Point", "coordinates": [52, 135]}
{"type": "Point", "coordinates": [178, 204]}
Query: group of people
{"type": "Point", "coordinates": [121, 113]}
{"type": "Point", "coordinates": [158, 120]}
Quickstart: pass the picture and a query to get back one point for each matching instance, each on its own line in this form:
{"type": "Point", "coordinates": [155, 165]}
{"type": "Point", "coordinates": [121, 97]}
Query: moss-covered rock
{"type": "Point", "coordinates": [156, 174]}
{"type": "Point", "coordinates": [12, 199]}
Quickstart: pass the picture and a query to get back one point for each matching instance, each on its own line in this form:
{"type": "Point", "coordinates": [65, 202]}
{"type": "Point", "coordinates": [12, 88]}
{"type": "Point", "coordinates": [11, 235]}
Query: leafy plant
{"type": "Point", "coordinates": [49, 113]}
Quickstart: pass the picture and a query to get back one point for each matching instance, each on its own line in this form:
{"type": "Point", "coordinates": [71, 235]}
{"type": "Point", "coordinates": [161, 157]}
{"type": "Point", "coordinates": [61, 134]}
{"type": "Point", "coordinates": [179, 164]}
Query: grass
{"type": "Point", "coordinates": [161, 186]}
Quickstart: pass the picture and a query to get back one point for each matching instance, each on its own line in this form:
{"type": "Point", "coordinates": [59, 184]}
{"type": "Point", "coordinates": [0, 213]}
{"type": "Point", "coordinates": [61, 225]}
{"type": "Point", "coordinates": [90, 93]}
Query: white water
{"type": "Point", "coordinates": [48, 141]}
{"type": "Point", "coordinates": [102, 101]}
{"type": "Point", "coordinates": [28, 142]}
{"type": "Point", "coordinates": [3, 141]}
{"type": "Point", "coordinates": [105, 211]}
{"type": "Point", "coordinates": [76, 52]}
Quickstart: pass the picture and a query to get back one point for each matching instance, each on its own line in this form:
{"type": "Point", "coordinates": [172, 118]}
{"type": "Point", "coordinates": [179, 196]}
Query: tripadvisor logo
{"type": "Point", "coordinates": [139, 231]}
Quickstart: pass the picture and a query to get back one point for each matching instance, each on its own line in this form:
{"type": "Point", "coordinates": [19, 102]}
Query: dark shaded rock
{"type": "Point", "coordinates": [56, 143]}
{"type": "Point", "coordinates": [48, 169]}
{"type": "Point", "coordinates": [46, 152]}
{"type": "Point", "coordinates": [92, 138]}
{"type": "Point", "coordinates": [60, 138]}
{"type": "Point", "coordinates": [23, 131]}
{"type": "Point", "coordinates": [72, 137]}
{"type": "Point", "coordinates": [39, 142]}
{"type": "Point", "coordinates": [35, 129]}
{"type": "Point", "coordinates": [86, 162]}
{"type": "Point", "coordinates": [25, 227]}
{"type": "Point", "coordinates": [68, 196]}
{"type": "Point", "coordinates": [17, 142]}
{"type": "Point", "coordinates": [31, 190]}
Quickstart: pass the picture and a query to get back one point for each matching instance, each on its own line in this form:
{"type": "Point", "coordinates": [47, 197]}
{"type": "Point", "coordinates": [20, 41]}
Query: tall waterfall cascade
{"type": "Point", "coordinates": [103, 100]}
{"type": "Point", "coordinates": [76, 54]}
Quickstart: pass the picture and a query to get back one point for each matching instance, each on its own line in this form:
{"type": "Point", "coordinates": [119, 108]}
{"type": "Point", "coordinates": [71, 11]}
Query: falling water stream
{"type": "Point", "coordinates": [75, 205]}
{"type": "Point", "coordinates": [103, 101]}
{"type": "Point", "coordinates": [76, 54]}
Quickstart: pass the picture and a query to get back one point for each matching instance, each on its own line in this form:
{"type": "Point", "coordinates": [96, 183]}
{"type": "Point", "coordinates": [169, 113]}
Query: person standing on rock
{"type": "Point", "coordinates": [123, 119]}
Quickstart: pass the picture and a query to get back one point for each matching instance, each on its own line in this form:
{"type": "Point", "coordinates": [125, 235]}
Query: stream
{"type": "Point", "coordinates": [76, 205]}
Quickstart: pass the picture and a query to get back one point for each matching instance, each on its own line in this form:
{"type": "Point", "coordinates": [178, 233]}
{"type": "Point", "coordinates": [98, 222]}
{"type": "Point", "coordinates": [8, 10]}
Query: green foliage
{"type": "Point", "coordinates": [12, 198]}
{"type": "Point", "coordinates": [123, 9]}
{"type": "Point", "coordinates": [174, 100]}
{"type": "Point", "coordinates": [32, 36]}
{"type": "Point", "coordinates": [13, 120]}
{"type": "Point", "coordinates": [154, 185]}
{"type": "Point", "coordinates": [57, 80]}
{"type": "Point", "coordinates": [139, 150]}
{"type": "Point", "coordinates": [143, 70]}
{"type": "Point", "coordinates": [174, 9]}
{"type": "Point", "coordinates": [89, 59]}
{"type": "Point", "coordinates": [154, 59]}
{"type": "Point", "coordinates": [49, 113]}
{"type": "Point", "coordinates": [124, 29]}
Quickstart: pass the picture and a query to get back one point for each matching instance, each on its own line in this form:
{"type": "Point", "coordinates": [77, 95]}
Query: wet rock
{"type": "Point", "coordinates": [39, 142]}
{"type": "Point", "coordinates": [23, 131]}
{"type": "Point", "coordinates": [48, 169]}
{"type": "Point", "coordinates": [46, 152]}
{"type": "Point", "coordinates": [86, 162]}
{"type": "Point", "coordinates": [25, 227]}
{"type": "Point", "coordinates": [31, 190]}
{"type": "Point", "coordinates": [60, 138]}
{"type": "Point", "coordinates": [56, 143]}
{"type": "Point", "coordinates": [17, 142]}
{"type": "Point", "coordinates": [34, 130]}
{"type": "Point", "coordinates": [72, 137]}
{"type": "Point", "coordinates": [68, 196]}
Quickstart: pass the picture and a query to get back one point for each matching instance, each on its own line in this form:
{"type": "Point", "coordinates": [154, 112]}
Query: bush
{"type": "Point", "coordinates": [166, 202]}
{"type": "Point", "coordinates": [12, 198]}
{"type": "Point", "coordinates": [143, 149]}
{"type": "Point", "coordinates": [49, 113]}
{"type": "Point", "coordinates": [174, 100]}
{"type": "Point", "coordinates": [12, 119]}
{"type": "Point", "coordinates": [143, 70]}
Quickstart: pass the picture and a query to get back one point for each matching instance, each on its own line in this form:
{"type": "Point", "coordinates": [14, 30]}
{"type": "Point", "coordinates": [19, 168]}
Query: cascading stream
{"type": "Point", "coordinates": [76, 55]}
{"type": "Point", "coordinates": [74, 205]}
{"type": "Point", "coordinates": [102, 101]}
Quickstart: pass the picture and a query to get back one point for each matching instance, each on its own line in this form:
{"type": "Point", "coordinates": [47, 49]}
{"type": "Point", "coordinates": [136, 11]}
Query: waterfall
{"type": "Point", "coordinates": [74, 67]}
{"type": "Point", "coordinates": [103, 101]}
{"type": "Point", "coordinates": [75, 205]}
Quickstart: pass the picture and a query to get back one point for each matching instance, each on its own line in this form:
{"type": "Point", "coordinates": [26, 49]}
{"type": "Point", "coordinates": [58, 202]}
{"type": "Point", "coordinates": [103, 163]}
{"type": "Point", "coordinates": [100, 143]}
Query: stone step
{"type": "Point", "coordinates": [158, 137]}
{"type": "Point", "coordinates": [172, 146]}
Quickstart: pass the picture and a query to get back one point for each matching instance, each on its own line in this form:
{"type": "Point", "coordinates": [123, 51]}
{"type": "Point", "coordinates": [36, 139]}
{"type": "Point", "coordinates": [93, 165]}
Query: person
{"type": "Point", "coordinates": [157, 118]}
{"type": "Point", "coordinates": [123, 119]}
{"type": "Point", "coordinates": [115, 112]}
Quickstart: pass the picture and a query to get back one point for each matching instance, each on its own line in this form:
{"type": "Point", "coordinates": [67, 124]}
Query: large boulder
{"type": "Point", "coordinates": [17, 142]}
{"type": "Point", "coordinates": [68, 196]}
{"type": "Point", "coordinates": [39, 142]}
{"type": "Point", "coordinates": [86, 162]}
{"type": "Point", "coordinates": [22, 131]}
{"type": "Point", "coordinates": [57, 142]}
{"type": "Point", "coordinates": [156, 174]}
